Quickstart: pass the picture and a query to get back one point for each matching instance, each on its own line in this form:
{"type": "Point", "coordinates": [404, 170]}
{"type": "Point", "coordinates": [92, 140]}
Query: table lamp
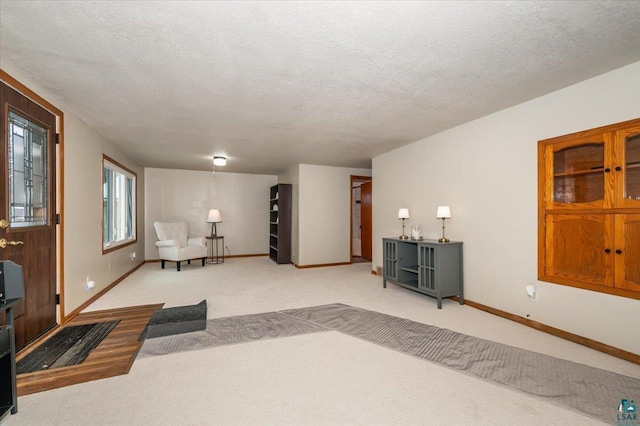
{"type": "Point", "coordinates": [443, 213]}
{"type": "Point", "coordinates": [213, 218]}
{"type": "Point", "coordinates": [403, 214]}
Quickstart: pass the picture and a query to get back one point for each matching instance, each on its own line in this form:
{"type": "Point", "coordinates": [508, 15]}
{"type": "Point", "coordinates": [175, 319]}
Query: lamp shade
{"type": "Point", "coordinates": [443, 212]}
{"type": "Point", "coordinates": [214, 216]}
{"type": "Point", "coordinates": [403, 214]}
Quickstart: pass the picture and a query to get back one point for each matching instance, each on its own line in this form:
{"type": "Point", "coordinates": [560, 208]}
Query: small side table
{"type": "Point", "coordinates": [212, 242]}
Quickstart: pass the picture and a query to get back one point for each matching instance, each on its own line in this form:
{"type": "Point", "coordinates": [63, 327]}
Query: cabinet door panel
{"type": "Point", "coordinates": [627, 167]}
{"type": "Point", "coordinates": [390, 253]}
{"type": "Point", "coordinates": [627, 261]}
{"type": "Point", "coordinates": [576, 247]}
{"type": "Point", "coordinates": [427, 268]}
{"type": "Point", "coordinates": [579, 173]}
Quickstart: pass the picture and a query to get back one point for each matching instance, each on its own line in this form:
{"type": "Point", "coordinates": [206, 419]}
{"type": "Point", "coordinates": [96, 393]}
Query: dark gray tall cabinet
{"type": "Point", "coordinates": [428, 267]}
{"type": "Point", "coordinates": [280, 223]}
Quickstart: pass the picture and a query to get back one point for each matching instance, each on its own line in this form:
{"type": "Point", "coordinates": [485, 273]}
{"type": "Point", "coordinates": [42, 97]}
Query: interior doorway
{"type": "Point", "coordinates": [361, 225]}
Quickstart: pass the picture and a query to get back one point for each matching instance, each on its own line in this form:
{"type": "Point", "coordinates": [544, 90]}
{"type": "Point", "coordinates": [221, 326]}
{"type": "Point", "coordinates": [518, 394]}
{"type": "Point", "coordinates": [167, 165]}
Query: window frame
{"type": "Point", "coordinates": [130, 192]}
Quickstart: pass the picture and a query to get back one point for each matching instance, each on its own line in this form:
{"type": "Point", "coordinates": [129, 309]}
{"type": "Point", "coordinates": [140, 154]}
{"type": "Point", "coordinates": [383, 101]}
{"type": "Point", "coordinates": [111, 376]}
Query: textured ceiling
{"type": "Point", "coordinates": [273, 84]}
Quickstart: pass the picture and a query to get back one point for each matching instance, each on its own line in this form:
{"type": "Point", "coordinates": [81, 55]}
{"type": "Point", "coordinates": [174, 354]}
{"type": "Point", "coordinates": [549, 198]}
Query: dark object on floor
{"type": "Point", "coordinates": [70, 346]}
{"type": "Point", "coordinates": [177, 320]}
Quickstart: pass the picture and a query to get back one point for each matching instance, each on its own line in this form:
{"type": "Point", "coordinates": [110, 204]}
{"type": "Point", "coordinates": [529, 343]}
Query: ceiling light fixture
{"type": "Point", "coordinates": [219, 161]}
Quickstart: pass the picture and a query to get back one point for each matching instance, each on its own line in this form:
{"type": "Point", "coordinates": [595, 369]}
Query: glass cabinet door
{"type": "Point", "coordinates": [580, 173]}
{"type": "Point", "coordinates": [627, 168]}
{"type": "Point", "coordinates": [390, 254]}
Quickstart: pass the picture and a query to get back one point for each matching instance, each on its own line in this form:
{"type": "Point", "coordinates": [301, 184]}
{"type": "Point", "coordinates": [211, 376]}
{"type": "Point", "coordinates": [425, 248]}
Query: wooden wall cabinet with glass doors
{"type": "Point", "coordinates": [589, 209]}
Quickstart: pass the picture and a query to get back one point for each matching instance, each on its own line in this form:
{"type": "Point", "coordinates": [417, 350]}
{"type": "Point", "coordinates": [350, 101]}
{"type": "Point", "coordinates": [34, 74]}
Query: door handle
{"type": "Point", "coordinates": [4, 243]}
{"type": "Point", "coordinates": [4, 223]}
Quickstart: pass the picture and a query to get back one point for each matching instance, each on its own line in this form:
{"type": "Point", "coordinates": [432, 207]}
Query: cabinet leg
{"type": "Point", "coordinates": [384, 283]}
{"type": "Point", "coordinates": [439, 302]}
{"type": "Point", "coordinates": [178, 266]}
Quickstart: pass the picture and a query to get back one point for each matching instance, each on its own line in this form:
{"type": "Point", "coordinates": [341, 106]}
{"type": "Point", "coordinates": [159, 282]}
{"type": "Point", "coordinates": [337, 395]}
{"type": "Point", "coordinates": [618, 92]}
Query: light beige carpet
{"type": "Point", "coordinates": [309, 379]}
{"type": "Point", "coordinates": [579, 387]}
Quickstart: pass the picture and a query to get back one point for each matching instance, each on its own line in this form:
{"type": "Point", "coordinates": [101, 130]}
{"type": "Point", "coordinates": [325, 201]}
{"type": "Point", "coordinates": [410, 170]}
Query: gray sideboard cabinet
{"type": "Point", "coordinates": [428, 267]}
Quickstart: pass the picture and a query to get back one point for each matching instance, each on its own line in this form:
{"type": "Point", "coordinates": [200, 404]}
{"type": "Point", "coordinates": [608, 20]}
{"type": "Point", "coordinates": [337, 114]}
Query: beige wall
{"type": "Point", "coordinates": [324, 214]}
{"type": "Point", "coordinates": [486, 171]}
{"type": "Point", "coordinates": [243, 201]}
{"type": "Point", "coordinates": [83, 256]}
{"type": "Point", "coordinates": [82, 210]}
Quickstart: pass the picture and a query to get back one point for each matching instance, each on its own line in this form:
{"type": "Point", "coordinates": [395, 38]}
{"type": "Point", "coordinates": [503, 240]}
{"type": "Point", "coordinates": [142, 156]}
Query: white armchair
{"type": "Point", "coordinates": [175, 245]}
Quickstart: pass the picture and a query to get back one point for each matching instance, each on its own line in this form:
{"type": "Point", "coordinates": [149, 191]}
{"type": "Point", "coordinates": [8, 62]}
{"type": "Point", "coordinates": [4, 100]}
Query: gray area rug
{"type": "Point", "coordinates": [588, 390]}
{"type": "Point", "coordinates": [230, 330]}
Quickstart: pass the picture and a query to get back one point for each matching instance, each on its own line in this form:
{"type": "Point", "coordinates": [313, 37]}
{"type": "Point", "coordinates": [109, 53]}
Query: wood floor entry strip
{"type": "Point", "coordinates": [113, 356]}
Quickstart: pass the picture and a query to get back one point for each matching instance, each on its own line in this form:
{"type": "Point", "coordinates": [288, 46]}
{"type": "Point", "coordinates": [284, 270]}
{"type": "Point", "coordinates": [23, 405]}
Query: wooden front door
{"type": "Point", "coordinates": [28, 207]}
{"type": "Point", "coordinates": [365, 219]}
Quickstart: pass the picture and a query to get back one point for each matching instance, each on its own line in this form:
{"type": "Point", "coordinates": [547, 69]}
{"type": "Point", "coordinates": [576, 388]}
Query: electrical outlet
{"type": "Point", "coordinates": [89, 284]}
{"type": "Point", "coordinates": [532, 292]}
{"type": "Point", "coordinates": [379, 270]}
{"type": "Point", "coordinates": [133, 256]}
